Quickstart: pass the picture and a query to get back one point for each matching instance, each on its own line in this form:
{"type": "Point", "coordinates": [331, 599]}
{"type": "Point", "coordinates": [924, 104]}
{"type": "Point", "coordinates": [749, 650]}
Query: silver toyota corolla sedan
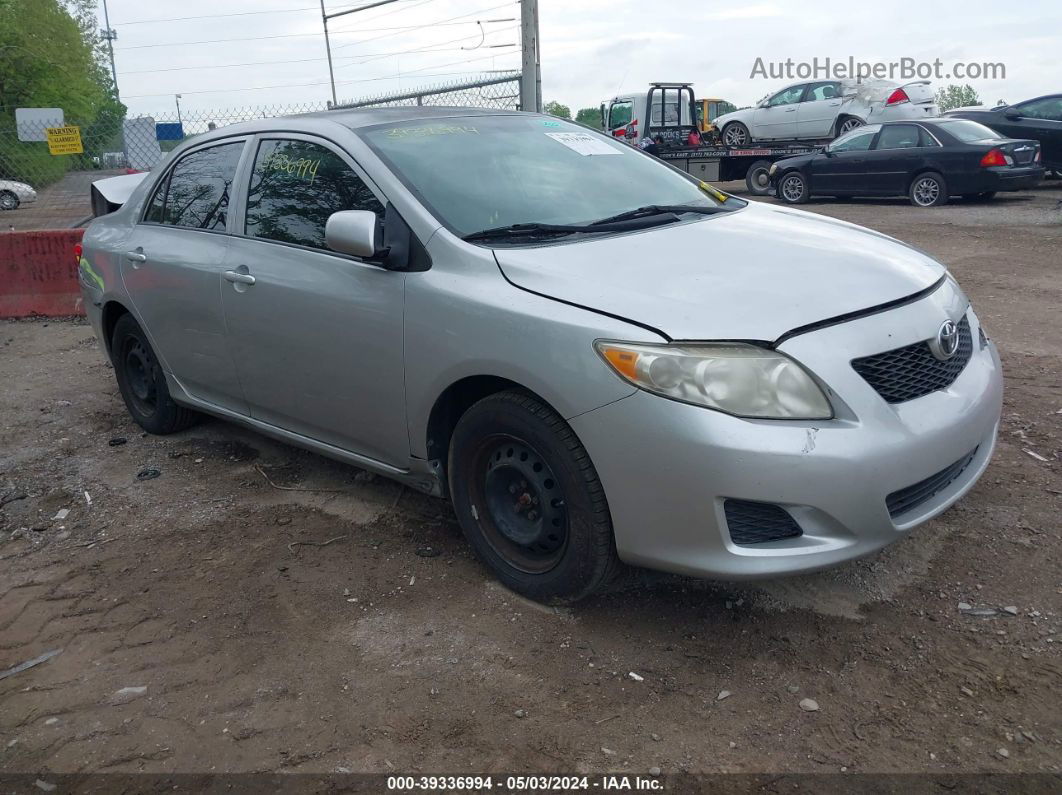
{"type": "Point", "coordinates": [595, 356]}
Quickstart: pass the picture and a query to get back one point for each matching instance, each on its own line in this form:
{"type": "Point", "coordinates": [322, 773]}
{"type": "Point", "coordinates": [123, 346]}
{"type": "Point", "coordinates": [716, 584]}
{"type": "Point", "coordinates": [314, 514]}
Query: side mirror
{"type": "Point", "coordinates": [352, 232]}
{"type": "Point", "coordinates": [1010, 113]}
{"type": "Point", "coordinates": [827, 151]}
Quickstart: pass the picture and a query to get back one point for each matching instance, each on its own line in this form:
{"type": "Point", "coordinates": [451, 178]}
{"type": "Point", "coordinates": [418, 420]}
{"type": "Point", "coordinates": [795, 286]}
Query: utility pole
{"type": "Point", "coordinates": [325, 16]}
{"type": "Point", "coordinates": [177, 99]}
{"type": "Point", "coordinates": [110, 34]}
{"type": "Point", "coordinates": [530, 64]}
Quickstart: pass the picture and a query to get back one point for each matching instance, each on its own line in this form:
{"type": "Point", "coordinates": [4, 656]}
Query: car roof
{"type": "Point", "coordinates": [355, 118]}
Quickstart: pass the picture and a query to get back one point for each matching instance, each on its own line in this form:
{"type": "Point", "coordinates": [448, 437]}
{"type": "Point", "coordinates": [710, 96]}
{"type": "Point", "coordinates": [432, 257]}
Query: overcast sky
{"type": "Point", "coordinates": [591, 49]}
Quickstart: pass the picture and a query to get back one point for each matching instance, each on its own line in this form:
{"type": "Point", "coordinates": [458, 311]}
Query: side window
{"type": "Point", "coordinates": [787, 96]}
{"type": "Point", "coordinates": [1046, 108]}
{"type": "Point", "coordinates": [822, 91]}
{"type": "Point", "coordinates": [295, 186]}
{"type": "Point", "coordinates": [898, 136]}
{"type": "Point", "coordinates": [855, 142]}
{"type": "Point", "coordinates": [196, 194]}
{"type": "Point", "coordinates": [619, 114]}
{"type": "Point", "coordinates": [925, 138]}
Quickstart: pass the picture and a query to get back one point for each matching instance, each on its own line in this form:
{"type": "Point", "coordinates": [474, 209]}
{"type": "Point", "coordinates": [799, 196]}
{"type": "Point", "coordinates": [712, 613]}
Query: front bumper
{"type": "Point", "coordinates": [668, 467]}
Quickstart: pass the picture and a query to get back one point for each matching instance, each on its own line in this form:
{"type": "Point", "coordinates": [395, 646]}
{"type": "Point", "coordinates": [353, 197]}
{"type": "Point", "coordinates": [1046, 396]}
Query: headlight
{"type": "Point", "coordinates": [736, 378]}
{"type": "Point", "coordinates": [773, 168]}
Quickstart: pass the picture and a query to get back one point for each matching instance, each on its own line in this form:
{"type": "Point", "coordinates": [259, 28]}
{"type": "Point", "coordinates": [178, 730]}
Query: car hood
{"type": "Point", "coordinates": [752, 274]}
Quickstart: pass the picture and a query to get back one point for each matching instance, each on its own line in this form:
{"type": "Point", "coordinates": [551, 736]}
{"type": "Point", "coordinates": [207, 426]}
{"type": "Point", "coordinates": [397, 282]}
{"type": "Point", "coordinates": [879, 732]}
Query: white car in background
{"type": "Point", "coordinates": [826, 109]}
{"type": "Point", "coordinates": [12, 194]}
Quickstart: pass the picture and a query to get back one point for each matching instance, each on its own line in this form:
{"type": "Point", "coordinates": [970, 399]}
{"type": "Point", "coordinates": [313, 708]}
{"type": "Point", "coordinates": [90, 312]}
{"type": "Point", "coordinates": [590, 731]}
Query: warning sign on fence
{"type": "Point", "coordinates": [64, 140]}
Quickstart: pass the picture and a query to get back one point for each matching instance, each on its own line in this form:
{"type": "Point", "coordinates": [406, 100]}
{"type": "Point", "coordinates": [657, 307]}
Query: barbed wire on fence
{"type": "Point", "coordinates": [48, 162]}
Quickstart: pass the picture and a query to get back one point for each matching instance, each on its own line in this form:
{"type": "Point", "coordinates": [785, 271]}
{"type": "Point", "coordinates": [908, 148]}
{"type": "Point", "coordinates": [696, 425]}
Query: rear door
{"type": "Point", "coordinates": [893, 159]}
{"type": "Point", "coordinates": [172, 270]}
{"type": "Point", "coordinates": [818, 110]}
{"type": "Point", "coordinates": [777, 118]}
{"type": "Point", "coordinates": [316, 335]}
{"type": "Point", "coordinates": [842, 169]}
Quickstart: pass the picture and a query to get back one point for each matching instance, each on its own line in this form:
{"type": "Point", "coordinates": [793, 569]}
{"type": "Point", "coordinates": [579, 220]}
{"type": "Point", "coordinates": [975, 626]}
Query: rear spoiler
{"type": "Point", "coordinates": [111, 193]}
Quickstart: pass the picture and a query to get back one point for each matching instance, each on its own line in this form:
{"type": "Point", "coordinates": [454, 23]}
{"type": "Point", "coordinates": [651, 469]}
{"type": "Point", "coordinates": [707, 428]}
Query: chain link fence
{"type": "Point", "coordinates": [49, 160]}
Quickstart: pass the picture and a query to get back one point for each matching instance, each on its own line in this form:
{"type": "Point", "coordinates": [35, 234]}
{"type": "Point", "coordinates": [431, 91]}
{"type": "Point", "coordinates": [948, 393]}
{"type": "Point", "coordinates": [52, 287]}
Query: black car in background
{"type": "Point", "coordinates": [1039, 119]}
{"type": "Point", "coordinates": [927, 161]}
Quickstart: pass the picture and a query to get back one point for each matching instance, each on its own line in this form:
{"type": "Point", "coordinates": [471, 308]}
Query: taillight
{"type": "Point", "coordinates": [897, 96]}
{"type": "Point", "coordinates": [994, 157]}
{"type": "Point", "coordinates": [1036, 157]}
{"type": "Point", "coordinates": [77, 253]}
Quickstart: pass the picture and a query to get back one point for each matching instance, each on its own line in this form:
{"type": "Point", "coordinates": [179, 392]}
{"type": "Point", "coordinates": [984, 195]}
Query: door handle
{"type": "Point", "coordinates": [239, 278]}
{"type": "Point", "coordinates": [834, 104]}
{"type": "Point", "coordinates": [136, 255]}
{"type": "Point", "coordinates": [790, 110]}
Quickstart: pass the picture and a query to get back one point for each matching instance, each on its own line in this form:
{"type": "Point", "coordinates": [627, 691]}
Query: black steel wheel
{"type": "Point", "coordinates": [142, 381]}
{"type": "Point", "coordinates": [529, 499]}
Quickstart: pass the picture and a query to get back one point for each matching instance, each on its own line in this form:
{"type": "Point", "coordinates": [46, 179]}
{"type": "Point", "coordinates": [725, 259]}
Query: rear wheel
{"type": "Point", "coordinates": [928, 190]}
{"type": "Point", "coordinates": [8, 200]}
{"type": "Point", "coordinates": [758, 178]}
{"type": "Point", "coordinates": [793, 188]}
{"type": "Point", "coordinates": [846, 124]}
{"type": "Point", "coordinates": [529, 500]}
{"type": "Point", "coordinates": [736, 134]}
{"type": "Point", "coordinates": [142, 382]}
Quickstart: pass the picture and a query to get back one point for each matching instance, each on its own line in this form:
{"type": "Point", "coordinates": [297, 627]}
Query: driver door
{"type": "Point", "coordinates": [843, 169]}
{"type": "Point", "coordinates": [777, 118]}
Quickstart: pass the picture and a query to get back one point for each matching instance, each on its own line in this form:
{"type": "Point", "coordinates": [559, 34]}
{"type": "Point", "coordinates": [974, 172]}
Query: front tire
{"type": "Point", "coordinates": [928, 190]}
{"type": "Point", "coordinates": [142, 382]}
{"type": "Point", "coordinates": [793, 188]}
{"type": "Point", "coordinates": [529, 500]}
{"type": "Point", "coordinates": [8, 200]}
{"type": "Point", "coordinates": [736, 134]}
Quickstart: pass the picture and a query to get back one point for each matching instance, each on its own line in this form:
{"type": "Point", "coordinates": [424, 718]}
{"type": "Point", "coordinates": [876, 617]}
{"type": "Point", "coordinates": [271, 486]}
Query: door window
{"type": "Point", "coordinates": [857, 141]}
{"type": "Point", "coordinates": [196, 193]}
{"type": "Point", "coordinates": [822, 91]}
{"type": "Point", "coordinates": [295, 186]}
{"type": "Point", "coordinates": [1047, 108]}
{"type": "Point", "coordinates": [620, 114]}
{"type": "Point", "coordinates": [787, 96]}
{"type": "Point", "coordinates": [898, 136]}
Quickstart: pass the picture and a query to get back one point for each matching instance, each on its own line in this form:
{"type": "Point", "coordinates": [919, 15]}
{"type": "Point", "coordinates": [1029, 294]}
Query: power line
{"type": "Point", "coordinates": [397, 28]}
{"type": "Point", "coordinates": [429, 48]}
{"type": "Point", "coordinates": [447, 21]}
{"type": "Point", "coordinates": [234, 14]}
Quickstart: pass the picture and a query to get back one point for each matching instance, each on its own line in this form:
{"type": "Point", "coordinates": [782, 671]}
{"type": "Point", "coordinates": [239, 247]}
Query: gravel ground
{"type": "Point", "coordinates": [259, 608]}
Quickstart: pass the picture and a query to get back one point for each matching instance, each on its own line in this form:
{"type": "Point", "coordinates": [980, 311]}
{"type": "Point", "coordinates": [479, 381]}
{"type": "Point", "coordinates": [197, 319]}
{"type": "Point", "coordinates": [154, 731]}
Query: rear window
{"type": "Point", "coordinates": [968, 131]}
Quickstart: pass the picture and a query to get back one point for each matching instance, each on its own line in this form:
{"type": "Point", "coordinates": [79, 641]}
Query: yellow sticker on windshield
{"type": "Point", "coordinates": [715, 193]}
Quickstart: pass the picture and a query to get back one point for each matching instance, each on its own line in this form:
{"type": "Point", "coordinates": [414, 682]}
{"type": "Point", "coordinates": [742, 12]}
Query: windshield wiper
{"type": "Point", "coordinates": [526, 230]}
{"type": "Point", "coordinates": [658, 209]}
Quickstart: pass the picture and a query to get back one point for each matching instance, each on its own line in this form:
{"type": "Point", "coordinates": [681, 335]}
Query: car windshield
{"type": "Point", "coordinates": [485, 172]}
{"type": "Point", "coordinates": [967, 131]}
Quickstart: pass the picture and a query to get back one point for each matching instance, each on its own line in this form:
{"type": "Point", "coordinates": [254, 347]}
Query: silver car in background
{"type": "Point", "coordinates": [517, 312]}
{"type": "Point", "coordinates": [825, 109]}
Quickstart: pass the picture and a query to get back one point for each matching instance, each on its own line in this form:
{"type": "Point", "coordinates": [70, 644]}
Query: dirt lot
{"type": "Point", "coordinates": [328, 621]}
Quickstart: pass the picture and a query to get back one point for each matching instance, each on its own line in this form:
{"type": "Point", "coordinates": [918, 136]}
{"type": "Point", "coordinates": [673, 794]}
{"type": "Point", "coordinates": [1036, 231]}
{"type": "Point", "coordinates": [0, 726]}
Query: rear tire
{"type": "Point", "coordinates": [142, 382]}
{"type": "Point", "coordinates": [529, 500]}
{"type": "Point", "coordinates": [928, 190]}
{"type": "Point", "coordinates": [793, 188]}
{"type": "Point", "coordinates": [845, 124]}
{"type": "Point", "coordinates": [736, 134]}
{"type": "Point", "coordinates": [757, 180]}
{"type": "Point", "coordinates": [8, 200]}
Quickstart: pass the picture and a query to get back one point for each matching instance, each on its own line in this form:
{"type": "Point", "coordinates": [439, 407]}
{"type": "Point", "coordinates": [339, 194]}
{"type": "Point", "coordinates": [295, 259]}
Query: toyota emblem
{"type": "Point", "coordinates": [947, 340]}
